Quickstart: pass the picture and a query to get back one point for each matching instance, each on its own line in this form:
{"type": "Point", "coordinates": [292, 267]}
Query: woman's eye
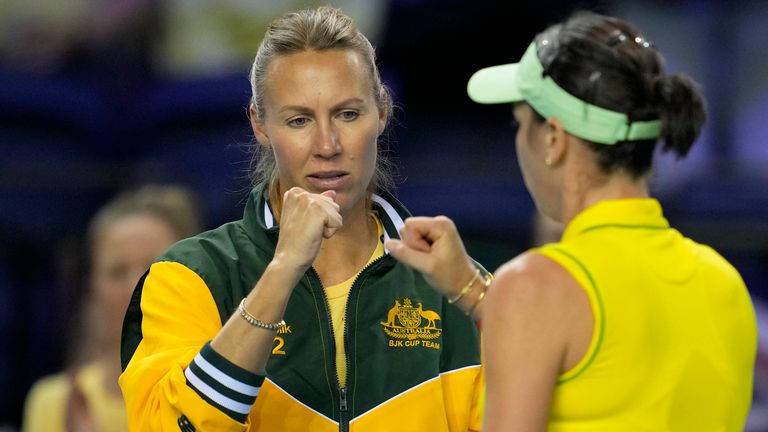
{"type": "Point", "coordinates": [298, 122]}
{"type": "Point", "coordinates": [349, 115]}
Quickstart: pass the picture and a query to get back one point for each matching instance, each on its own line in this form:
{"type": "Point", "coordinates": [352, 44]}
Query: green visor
{"type": "Point", "coordinates": [525, 81]}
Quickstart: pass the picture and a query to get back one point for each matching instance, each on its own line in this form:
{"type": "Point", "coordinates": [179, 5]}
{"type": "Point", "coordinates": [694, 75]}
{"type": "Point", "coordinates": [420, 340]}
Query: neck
{"type": "Point", "coordinates": [110, 361]}
{"type": "Point", "coordinates": [583, 195]}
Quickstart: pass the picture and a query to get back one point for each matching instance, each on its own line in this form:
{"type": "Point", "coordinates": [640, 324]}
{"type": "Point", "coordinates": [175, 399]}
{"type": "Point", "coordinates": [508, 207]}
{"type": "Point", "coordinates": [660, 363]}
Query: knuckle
{"type": "Point", "coordinates": [292, 193]}
{"type": "Point", "coordinates": [443, 221]}
{"type": "Point", "coordinates": [314, 205]}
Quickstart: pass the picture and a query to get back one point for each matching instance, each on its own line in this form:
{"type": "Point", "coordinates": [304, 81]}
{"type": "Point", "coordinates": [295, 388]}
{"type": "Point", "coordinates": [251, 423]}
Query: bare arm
{"type": "Point", "coordinates": [537, 324]}
{"type": "Point", "coordinates": [174, 376]}
{"type": "Point", "coordinates": [433, 247]}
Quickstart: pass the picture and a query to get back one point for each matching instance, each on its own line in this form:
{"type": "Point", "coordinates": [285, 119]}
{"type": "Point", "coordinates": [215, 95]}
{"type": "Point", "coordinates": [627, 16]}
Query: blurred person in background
{"type": "Point", "coordinates": [124, 237]}
{"type": "Point", "coordinates": [624, 324]}
{"type": "Point", "coordinates": [296, 318]}
{"type": "Point", "coordinates": [42, 38]}
{"type": "Point", "coordinates": [202, 38]}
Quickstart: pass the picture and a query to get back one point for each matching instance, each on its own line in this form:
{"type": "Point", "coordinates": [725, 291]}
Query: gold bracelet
{"type": "Point", "coordinates": [467, 288]}
{"type": "Point", "coordinates": [486, 283]}
{"type": "Point", "coordinates": [255, 322]}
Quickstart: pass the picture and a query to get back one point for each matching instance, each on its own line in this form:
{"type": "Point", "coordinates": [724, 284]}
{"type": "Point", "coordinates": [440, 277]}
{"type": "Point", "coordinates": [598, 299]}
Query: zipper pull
{"type": "Point", "coordinates": [343, 397]}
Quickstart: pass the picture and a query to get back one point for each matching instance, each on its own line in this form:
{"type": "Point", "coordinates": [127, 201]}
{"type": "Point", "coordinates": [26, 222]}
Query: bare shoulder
{"type": "Point", "coordinates": [532, 274]}
{"type": "Point", "coordinates": [532, 285]}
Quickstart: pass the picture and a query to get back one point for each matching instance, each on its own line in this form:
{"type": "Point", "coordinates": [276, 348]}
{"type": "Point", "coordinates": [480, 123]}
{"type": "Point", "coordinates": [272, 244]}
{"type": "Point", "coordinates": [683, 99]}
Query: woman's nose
{"type": "Point", "coordinates": [327, 140]}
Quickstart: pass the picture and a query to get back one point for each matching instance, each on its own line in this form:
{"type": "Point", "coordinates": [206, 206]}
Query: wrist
{"type": "Point", "coordinates": [284, 265]}
{"type": "Point", "coordinates": [468, 278]}
{"type": "Point", "coordinates": [466, 289]}
{"type": "Point", "coordinates": [471, 302]}
{"type": "Point", "coordinates": [276, 283]}
{"type": "Point", "coordinates": [266, 301]}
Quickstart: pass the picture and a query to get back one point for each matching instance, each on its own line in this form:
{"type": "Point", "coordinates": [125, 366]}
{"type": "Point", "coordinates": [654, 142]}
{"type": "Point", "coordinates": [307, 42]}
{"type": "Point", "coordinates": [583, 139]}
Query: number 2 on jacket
{"type": "Point", "coordinates": [279, 342]}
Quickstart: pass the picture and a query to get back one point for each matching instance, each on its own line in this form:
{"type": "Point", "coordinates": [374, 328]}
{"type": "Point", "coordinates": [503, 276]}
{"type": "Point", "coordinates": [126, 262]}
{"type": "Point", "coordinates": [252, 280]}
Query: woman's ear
{"type": "Point", "coordinates": [556, 143]}
{"type": "Point", "coordinates": [258, 126]}
{"type": "Point", "coordinates": [383, 118]}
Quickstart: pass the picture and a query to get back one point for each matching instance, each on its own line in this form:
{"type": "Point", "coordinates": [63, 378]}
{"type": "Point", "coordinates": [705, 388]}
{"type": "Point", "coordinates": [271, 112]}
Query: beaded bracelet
{"type": "Point", "coordinates": [467, 288]}
{"type": "Point", "coordinates": [257, 323]}
{"type": "Point", "coordinates": [486, 283]}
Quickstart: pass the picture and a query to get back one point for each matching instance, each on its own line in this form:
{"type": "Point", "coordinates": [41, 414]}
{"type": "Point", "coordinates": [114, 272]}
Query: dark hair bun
{"type": "Point", "coordinates": [681, 110]}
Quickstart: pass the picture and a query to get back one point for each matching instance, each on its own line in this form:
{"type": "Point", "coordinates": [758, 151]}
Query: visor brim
{"type": "Point", "coordinates": [495, 85]}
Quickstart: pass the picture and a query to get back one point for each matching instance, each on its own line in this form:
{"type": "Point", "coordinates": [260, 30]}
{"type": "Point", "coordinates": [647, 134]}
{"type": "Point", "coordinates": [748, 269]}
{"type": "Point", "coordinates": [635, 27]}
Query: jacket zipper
{"type": "Point", "coordinates": [344, 426]}
{"type": "Point", "coordinates": [343, 420]}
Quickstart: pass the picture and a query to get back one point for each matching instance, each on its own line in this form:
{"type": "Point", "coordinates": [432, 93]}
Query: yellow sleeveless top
{"type": "Point", "coordinates": [674, 337]}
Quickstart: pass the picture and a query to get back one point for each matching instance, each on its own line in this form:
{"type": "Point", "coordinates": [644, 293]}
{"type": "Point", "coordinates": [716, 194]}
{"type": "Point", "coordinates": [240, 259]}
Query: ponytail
{"type": "Point", "coordinates": [632, 81]}
{"type": "Point", "coordinates": [681, 110]}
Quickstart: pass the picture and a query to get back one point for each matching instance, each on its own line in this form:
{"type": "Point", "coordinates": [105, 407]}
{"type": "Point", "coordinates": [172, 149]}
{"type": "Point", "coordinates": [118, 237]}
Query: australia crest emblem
{"type": "Point", "coordinates": [409, 325]}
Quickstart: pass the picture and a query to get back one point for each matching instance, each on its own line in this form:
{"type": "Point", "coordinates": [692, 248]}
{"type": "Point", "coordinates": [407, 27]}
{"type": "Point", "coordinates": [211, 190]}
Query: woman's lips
{"type": "Point", "coordinates": [328, 180]}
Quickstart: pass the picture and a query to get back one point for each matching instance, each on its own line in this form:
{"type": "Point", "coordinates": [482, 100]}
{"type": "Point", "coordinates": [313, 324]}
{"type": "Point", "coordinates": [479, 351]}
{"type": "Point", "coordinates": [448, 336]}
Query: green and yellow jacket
{"type": "Point", "coordinates": [413, 360]}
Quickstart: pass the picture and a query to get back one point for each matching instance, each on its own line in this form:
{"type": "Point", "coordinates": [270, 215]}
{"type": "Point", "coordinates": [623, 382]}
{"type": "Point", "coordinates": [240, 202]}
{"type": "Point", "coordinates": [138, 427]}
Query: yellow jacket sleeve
{"type": "Point", "coordinates": [174, 379]}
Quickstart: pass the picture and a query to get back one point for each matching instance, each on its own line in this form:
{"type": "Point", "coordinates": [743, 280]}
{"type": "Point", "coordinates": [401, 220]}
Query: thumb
{"type": "Point", "coordinates": [330, 194]}
{"type": "Point", "coordinates": [407, 255]}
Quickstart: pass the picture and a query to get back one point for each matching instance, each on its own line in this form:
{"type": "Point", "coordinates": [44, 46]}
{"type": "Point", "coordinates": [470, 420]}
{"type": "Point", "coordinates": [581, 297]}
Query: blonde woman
{"type": "Point", "coordinates": [284, 321]}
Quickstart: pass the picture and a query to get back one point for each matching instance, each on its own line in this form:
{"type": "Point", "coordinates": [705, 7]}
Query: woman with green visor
{"type": "Point", "coordinates": [625, 324]}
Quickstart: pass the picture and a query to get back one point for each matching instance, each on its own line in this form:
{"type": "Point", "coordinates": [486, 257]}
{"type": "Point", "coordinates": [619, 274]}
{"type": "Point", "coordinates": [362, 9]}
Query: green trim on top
{"type": "Point", "coordinates": [601, 332]}
{"type": "Point", "coordinates": [627, 226]}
